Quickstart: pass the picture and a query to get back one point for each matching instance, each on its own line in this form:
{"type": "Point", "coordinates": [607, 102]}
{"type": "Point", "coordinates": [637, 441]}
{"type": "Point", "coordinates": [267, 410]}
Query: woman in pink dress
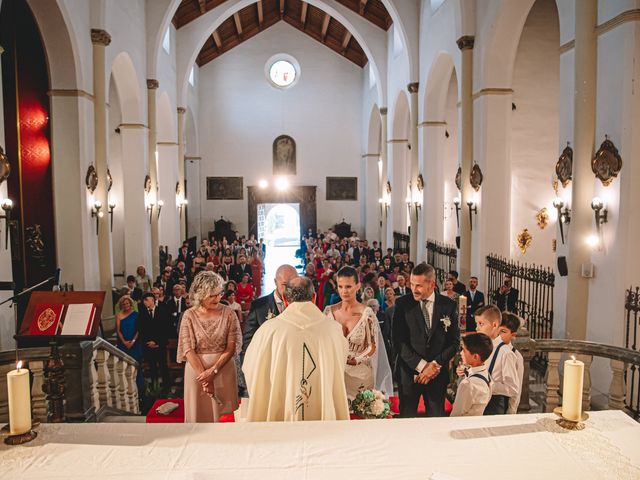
{"type": "Point", "coordinates": [209, 338]}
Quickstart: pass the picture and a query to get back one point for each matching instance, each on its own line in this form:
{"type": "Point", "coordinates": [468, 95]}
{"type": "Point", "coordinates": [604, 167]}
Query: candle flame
{"type": "Point", "coordinates": [573, 357]}
{"type": "Point", "coordinates": [19, 365]}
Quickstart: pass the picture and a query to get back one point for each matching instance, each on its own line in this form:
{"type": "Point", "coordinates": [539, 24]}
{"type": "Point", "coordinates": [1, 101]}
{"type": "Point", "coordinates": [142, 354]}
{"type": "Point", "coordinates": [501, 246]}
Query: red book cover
{"type": "Point", "coordinates": [46, 319]}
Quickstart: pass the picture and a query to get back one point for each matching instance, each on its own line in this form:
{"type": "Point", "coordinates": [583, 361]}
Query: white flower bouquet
{"type": "Point", "coordinates": [370, 404]}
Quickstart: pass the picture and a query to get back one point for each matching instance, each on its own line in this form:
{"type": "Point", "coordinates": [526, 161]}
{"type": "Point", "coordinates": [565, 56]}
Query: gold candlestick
{"type": "Point", "coordinates": [571, 424]}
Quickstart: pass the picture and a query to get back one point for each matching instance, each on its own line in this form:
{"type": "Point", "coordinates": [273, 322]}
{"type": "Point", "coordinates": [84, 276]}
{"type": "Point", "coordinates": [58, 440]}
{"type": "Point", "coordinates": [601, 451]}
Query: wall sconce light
{"type": "Point", "coordinates": [150, 206]}
{"type": "Point", "coordinates": [7, 205]}
{"type": "Point", "coordinates": [593, 241]}
{"type": "Point", "coordinates": [564, 216]}
{"type": "Point", "coordinates": [97, 212]}
{"type": "Point", "coordinates": [456, 203]}
{"type": "Point", "coordinates": [160, 205]}
{"type": "Point", "coordinates": [473, 208]}
{"type": "Point", "coordinates": [385, 203]}
{"type": "Point", "coordinates": [181, 204]}
{"type": "Point", "coordinates": [599, 211]}
{"type": "Point", "coordinates": [418, 206]}
{"type": "Point", "coordinates": [112, 207]}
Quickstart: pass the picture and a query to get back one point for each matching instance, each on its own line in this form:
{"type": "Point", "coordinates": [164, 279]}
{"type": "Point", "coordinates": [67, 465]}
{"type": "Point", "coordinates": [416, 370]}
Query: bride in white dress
{"type": "Point", "coordinates": [367, 364]}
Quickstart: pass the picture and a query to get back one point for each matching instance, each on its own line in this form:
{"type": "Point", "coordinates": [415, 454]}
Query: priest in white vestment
{"type": "Point", "coordinates": [294, 366]}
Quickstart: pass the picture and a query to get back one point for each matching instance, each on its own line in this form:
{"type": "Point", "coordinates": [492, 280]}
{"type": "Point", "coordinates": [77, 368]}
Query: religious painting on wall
{"type": "Point", "coordinates": [342, 188]}
{"type": "Point", "coordinates": [284, 155]}
{"type": "Point", "coordinates": [224, 188]}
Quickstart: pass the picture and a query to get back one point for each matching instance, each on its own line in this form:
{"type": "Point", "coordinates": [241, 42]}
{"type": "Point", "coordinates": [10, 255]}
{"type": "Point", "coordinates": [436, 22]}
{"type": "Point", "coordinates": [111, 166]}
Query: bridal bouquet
{"type": "Point", "coordinates": [370, 404]}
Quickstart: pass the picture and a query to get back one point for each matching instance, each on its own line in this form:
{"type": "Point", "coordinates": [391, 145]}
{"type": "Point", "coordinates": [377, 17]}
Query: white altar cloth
{"type": "Point", "coordinates": [517, 446]}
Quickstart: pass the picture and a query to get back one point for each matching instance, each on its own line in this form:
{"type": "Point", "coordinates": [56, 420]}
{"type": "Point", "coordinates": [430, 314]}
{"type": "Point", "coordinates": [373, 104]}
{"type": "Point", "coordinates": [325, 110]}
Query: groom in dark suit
{"type": "Point", "coordinates": [426, 336]}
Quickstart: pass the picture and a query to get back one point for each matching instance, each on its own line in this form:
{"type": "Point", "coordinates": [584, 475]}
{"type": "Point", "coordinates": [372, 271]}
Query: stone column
{"type": "Point", "coordinates": [371, 211]}
{"type": "Point", "coordinates": [414, 170]}
{"type": "Point", "coordinates": [181, 150]}
{"type": "Point", "coordinates": [465, 44]}
{"type": "Point", "coordinates": [584, 115]}
{"type": "Point", "coordinates": [152, 86]}
{"type": "Point", "coordinates": [384, 177]}
{"type": "Point", "coordinates": [101, 39]}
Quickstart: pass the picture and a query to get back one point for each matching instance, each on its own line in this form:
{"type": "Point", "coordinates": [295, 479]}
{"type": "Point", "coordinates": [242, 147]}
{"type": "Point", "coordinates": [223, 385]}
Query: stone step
{"type": "Point", "coordinates": [124, 419]}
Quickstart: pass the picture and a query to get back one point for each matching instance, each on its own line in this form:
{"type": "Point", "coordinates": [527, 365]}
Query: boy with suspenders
{"type": "Point", "coordinates": [474, 390]}
{"type": "Point", "coordinates": [501, 364]}
{"type": "Point", "coordinates": [508, 330]}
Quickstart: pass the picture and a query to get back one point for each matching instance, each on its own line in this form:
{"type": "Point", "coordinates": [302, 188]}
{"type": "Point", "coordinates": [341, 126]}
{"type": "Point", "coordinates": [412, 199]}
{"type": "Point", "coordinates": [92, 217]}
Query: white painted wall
{"type": "Point", "coordinates": [241, 114]}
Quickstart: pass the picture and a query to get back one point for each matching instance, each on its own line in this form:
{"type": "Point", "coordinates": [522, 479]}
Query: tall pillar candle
{"type": "Point", "coordinates": [572, 389]}
{"type": "Point", "coordinates": [19, 396]}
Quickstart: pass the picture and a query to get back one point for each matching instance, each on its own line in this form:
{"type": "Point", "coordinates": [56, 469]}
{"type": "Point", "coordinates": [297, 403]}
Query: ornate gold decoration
{"type": "Point", "coordinates": [178, 189]}
{"type": "Point", "coordinates": [420, 182]}
{"type": "Point", "coordinates": [459, 178]}
{"type": "Point", "coordinates": [607, 163]}
{"type": "Point", "coordinates": [554, 245]}
{"type": "Point", "coordinates": [476, 177]}
{"type": "Point", "coordinates": [466, 42]}
{"type": "Point", "coordinates": [383, 111]}
{"type": "Point", "coordinates": [91, 179]}
{"type": "Point", "coordinates": [109, 180]}
{"type": "Point", "coordinates": [100, 37]}
{"type": "Point", "coordinates": [413, 87]}
{"type": "Point", "coordinates": [524, 239]}
{"type": "Point", "coordinates": [542, 217]}
{"type": "Point", "coordinates": [564, 166]}
{"type": "Point", "coordinates": [35, 244]}
{"type": "Point", "coordinates": [5, 166]}
{"type": "Point", "coordinates": [388, 187]}
{"type": "Point", "coordinates": [153, 84]}
{"type": "Point", "coordinates": [554, 184]}
{"type": "Point", "coordinates": [147, 183]}
{"type": "Point", "coordinates": [182, 110]}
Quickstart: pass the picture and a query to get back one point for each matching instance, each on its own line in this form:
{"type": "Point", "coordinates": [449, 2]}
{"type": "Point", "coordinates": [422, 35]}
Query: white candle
{"type": "Point", "coordinates": [572, 389]}
{"type": "Point", "coordinates": [19, 400]}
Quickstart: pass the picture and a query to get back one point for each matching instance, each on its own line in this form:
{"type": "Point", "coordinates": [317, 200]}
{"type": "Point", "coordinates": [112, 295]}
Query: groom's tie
{"type": "Point", "coordinates": [425, 314]}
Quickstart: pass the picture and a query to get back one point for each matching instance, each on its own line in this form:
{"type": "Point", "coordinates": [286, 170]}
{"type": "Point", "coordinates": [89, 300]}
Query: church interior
{"type": "Point", "coordinates": [145, 141]}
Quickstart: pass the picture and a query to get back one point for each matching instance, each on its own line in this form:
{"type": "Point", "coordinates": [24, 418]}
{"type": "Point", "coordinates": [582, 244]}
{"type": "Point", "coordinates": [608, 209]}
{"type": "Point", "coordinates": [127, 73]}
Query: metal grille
{"type": "Point", "coordinates": [400, 242]}
{"type": "Point", "coordinates": [443, 258]}
{"type": "Point", "coordinates": [632, 341]}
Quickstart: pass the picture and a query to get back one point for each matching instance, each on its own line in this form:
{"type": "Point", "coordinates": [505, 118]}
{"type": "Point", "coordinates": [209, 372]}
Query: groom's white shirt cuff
{"type": "Point", "coordinates": [421, 365]}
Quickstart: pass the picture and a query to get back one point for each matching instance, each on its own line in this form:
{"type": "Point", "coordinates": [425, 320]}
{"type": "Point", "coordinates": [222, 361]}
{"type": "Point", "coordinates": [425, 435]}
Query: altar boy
{"type": "Point", "coordinates": [508, 330]}
{"type": "Point", "coordinates": [474, 391]}
{"type": "Point", "coordinates": [501, 364]}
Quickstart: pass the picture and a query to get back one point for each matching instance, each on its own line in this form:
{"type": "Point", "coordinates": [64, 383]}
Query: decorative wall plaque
{"type": "Point", "coordinates": [607, 162]}
{"type": "Point", "coordinates": [542, 217]}
{"type": "Point", "coordinates": [147, 184]}
{"type": "Point", "coordinates": [91, 179]}
{"type": "Point", "coordinates": [420, 182]}
{"type": "Point", "coordinates": [476, 177]}
{"type": "Point", "coordinates": [5, 167]}
{"type": "Point", "coordinates": [524, 239]}
{"type": "Point", "coordinates": [459, 178]}
{"type": "Point", "coordinates": [109, 180]}
{"type": "Point", "coordinates": [342, 188]}
{"type": "Point", "coordinates": [564, 166]}
{"type": "Point", "coordinates": [225, 188]}
{"type": "Point", "coordinates": [284, 155]}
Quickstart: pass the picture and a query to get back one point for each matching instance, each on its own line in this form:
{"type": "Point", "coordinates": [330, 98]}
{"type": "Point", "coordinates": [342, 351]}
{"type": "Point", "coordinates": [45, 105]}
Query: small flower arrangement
{"type": "Point", "coordinates": [446, 322]}
{"type": "Point", "coordinates": [270, 315]}
{"type": "Point", "coordinates": [370, 404]}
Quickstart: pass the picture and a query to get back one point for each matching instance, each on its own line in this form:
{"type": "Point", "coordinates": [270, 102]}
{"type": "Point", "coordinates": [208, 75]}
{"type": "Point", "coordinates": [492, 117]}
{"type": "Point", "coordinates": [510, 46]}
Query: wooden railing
{"type": "Point", "coordinates": [100, 380]}
{"type": "Point", "coordinates": [621, 360]}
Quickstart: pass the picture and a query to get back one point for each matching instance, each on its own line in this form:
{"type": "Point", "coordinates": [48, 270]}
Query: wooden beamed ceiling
{"type": "Point", "coordinates": [262, 14]}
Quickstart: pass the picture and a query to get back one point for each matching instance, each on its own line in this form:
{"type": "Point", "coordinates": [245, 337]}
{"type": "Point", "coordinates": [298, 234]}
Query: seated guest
{"type": "Point", "coordinates": [449, 290]}
{"type": "Point", "coordinates": [154, 331]}
{"type": "Point", "coordinates": [134, 291]}
{"type": "Point", "coordinates": [294, 366]}
{"type": "Point", "coordinates": [402, 288]}
{"type": "Point", "coordinates": [389, 299]}
{"type": "Point", "coordinates": [508, 331]}
{"type": "Point", "coordinates": [209, 338]}
{"type": "Point", "coordinates": [501, 363]}
{"type": "Point", "coordinates": [242, 268]}
{"type": "Point", "coordinates": [165, 280]}
{"type": "Point", "coordinates": [230, 297]}
{"type": "Point", "coordinates": [143, 280]}
{"type": "Point", "coordinates": [506, 297]}
{"type": "Point", "coordinates": [245, 292]}
{"type": "Point", "coordinates": [474, 390]}
{"type": "Point", "coordinates": [381, 287]}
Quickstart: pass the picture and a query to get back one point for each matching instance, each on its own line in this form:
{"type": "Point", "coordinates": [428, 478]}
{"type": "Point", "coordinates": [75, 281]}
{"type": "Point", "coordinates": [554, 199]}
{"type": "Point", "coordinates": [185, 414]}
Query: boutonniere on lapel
{"type": "Point", "coordinates": [270, 315]}
{"type": "Point", "coordinates": [446, 323]}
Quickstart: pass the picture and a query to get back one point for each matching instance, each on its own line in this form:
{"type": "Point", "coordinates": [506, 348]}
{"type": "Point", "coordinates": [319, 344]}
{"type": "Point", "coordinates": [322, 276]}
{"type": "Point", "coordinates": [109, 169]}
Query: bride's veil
{"type": "Point", "coordinates": [382, 378]}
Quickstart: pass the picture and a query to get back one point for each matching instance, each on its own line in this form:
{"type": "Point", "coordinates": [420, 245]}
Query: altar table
{"type": "Point", "coordinates": [517, 446]}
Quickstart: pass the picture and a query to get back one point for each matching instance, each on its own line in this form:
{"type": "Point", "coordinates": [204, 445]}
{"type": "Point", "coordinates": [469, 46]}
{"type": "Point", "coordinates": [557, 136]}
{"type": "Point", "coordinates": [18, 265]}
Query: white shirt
{"type": "Point", "coordinates": [473, 394]}
{"type": "Point", "coordinates": [430, 302]}
{"type": "Point", "coordinates": [504, 377]}
{"type": "Point", "coordinates": [515, 401]}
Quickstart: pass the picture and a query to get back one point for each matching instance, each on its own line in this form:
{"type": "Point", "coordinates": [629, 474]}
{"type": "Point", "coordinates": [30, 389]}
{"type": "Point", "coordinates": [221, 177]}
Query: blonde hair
{"type": "Point", "coordinates": [203, 285]}
{"type": "Point", "coordinates": [122, 300]}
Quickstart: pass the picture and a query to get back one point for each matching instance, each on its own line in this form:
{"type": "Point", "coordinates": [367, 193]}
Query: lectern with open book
{"type": "Point", "coordinates": [54, 318]}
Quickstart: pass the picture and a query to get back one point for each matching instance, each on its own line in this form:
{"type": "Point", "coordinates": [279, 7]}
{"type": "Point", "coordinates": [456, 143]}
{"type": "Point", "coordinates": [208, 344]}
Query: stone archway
{"type": "Point", "coordinates": [304, 195]}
